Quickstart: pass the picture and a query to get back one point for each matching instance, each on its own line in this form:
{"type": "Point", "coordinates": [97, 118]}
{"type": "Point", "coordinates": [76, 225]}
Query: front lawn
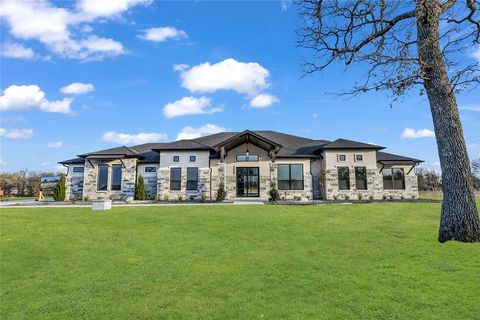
{"type": "Point", "coordinates": [365, 261]}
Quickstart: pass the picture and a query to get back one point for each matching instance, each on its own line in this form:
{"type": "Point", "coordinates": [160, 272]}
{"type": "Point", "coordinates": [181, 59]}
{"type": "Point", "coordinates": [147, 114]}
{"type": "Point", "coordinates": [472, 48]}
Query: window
{"type": "Point", "coordinates": [77, 169]}
{"type": "Point", "coordinates": [117, 177]}
{"type": "Point", "coordinates": [102, 183]}
{"type": "Point", "coordinates": [343, 178]}
{"type": "Point", "coordinates": [193, 158]}
{"type": "Point", "coordinates": [150, 169]}
{"type": "Point", "coordinates": [290, 176]}
{"type": "Point", "coordinates": [176, 158]}
{"type": "Point", "coordinates": [361, 178]}
{"type": "Point", "coordinates": [175, 178]}
{"type": "Point", "coordinates": [192, 178]}
{"type": "Point", "coordinates": [342, 157]}
{"type": "Point", "coordinates": [359, 157]}
{"type": "Point", "coordinates": [242, 157]}
{"type": "Point", "coordinates": [393, 179]}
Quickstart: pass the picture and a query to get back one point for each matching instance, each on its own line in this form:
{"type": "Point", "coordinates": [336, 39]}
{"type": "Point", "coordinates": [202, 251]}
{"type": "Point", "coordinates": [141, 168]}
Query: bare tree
{"type": "Point", "coordinates": [407, 44]}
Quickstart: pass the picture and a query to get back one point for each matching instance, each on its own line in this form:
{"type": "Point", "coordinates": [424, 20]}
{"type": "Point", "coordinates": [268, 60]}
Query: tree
{"type": "Point", "coordinates": [221, 192]}
{"type": "Point", "coordinates": [403, 47]}
{"type": "Point", "coordinates": [140, 189]}
{"type": "Point", "coordinates": [59, 192]}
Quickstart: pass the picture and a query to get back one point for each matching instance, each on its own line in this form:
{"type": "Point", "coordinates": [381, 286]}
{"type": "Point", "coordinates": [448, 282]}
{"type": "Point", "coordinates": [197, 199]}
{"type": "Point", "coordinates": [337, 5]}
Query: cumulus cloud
{"type": "Point", "coordinates": [138, 138]}
{"type": "Point", "coordinates": [59, 29]}
{"type": "Point", "coordinates": [263, 101]}
{"type": "Point", "coordinates": [247, 78]}
{"type": "Point", "coordinates": [55, 145]}
{"type": "Point", "coordinates": [77, 88]}
{"type": "Point", "coordinates": [16, 133]}
{"type": "Point", "coordinates": [192, 133]}
{"type": "Point", "coordinates": [189, 105]}
{"type": "Point", "coordinates": [27, 97]}
{"type": "Point", "coordinates": [17, 51]}
{"type": "Point", "coordinates": [410, 133]}
{"type": "Point", "coordinates": [162, 34]}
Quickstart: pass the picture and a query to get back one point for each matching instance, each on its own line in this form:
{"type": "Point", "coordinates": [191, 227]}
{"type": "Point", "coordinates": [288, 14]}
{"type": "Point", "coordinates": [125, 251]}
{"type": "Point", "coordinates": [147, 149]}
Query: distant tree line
{"type": "Point", "coordinates": [22, 183]}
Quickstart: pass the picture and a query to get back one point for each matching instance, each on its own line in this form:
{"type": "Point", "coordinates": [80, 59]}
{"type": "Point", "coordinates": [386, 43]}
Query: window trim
{"type": "Point", "coordinates": [349, 187]}
{"type": "Point", "coordinates": [366, 177]}
{"type": "Point", "coordinates": [340, 155]}
{"type": "Point", "coordinates": [171, 180]}
{"type": "Point", "coordinates": [247, 158]}
{"type": "Point", "coordinates": [177, 159]}
{"type": "Point", "coordinates": [290, 176]}
{"type": "Point", "coordinates": [194, 158]}
{"type": "Point", "coordinates": [98, 176]}
{"type": "Point", "coordinates": [358, 155]}
{"type": "Point", "coordinates": [111, 177]}
{"type": "Point", "coordinates": [196, 181]}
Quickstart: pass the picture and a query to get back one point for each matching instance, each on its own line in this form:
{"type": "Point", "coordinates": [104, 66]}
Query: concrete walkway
{"type": "Point", "coordinates": [42, 205]}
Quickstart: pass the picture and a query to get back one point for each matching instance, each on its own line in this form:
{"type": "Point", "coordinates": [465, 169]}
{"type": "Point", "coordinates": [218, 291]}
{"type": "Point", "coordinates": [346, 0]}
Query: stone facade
{"type": "Point", "coordinates": [163, 185]}
{"type": "Point", "coordinates": [74, 187]}
{"type": "Point", "coordinates": [151, 186]}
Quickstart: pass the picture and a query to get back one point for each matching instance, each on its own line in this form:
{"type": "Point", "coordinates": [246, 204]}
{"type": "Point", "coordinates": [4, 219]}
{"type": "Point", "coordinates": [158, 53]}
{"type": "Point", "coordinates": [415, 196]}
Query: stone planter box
{"type": "Point", "coordinates": [101, 205]}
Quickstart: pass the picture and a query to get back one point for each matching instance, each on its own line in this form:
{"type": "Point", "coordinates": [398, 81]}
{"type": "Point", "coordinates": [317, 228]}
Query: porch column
{"type": "Point", "coordinates": [273, 174]}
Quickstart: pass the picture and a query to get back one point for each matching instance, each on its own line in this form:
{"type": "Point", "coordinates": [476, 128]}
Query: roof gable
{"type": "Point", "coordinates": [350, 144]}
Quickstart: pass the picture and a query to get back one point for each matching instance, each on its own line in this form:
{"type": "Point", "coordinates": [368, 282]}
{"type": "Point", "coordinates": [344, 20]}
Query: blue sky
{"type": "Point", "coordinates": [156, 71]}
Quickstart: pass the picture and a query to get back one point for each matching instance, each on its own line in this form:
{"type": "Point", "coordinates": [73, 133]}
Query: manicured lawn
{"type": "Point", "coordinates": [17, 198]}
{"type": "Point", "coordinates": [375, 261]}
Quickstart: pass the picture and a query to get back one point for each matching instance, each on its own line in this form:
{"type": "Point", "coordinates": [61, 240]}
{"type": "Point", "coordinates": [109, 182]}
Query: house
{"type": "Point", "coordinates": [248, 163]}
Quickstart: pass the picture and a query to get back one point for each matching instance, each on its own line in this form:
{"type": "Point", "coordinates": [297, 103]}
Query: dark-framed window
{"type": "Point", "coordinates": [361, 178]}
{"type": "Point", "coordinates": [393, 179]}
{"type": "Point", "coordinates": [343, 178]}
{"type": "Point", "coordinates": [242, 157]}
{"type": "Point", "coordinates": [175, 178]}
{"type": "Point", "coordinates": [193, 158]}
{"type": "Point", "coordinates": [192, 178]}
{"type": "Point", "coordinates": [176, 158]}
{"type": "Point", "coordinates": [78, 169]}
{"type": "Point", "coordinates": [116, 177]}
{"type": "Point", "coordinates": [342, 157]}
{"type": "Point", "coordinates": [359, 157]}
{"type": "Point", "coordinates": [150, 169]}
{"type": "Point", "coordinates": [102, 181]}
{"type": "Point", "coordinates": [290, 176]}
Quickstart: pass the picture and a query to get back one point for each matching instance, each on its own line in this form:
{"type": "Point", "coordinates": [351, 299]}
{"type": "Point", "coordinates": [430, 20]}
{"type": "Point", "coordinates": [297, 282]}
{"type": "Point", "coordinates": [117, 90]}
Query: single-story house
{"type": "Point", "coordinates": [248, 163]}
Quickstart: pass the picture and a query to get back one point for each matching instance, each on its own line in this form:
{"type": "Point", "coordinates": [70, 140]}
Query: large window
{"type": "Point", "coordinates": [290, 176]}
{"type": "Point", "coordinates": [175, 178]}
{"type": "Point", "coordinates": [192, 178]}
{"type": "Point", "coordinates": [393, 179]}
{"type": "Point", "coordinates": [242, 157]}
{"type": "Point", "coordinates": [343, 178]}
{"type": "Point", "coordinates": [361, 178]}
{"type": "Point", "coordinates": [117, 177]}
{"type": "Point", "coordinates": [102, 183]}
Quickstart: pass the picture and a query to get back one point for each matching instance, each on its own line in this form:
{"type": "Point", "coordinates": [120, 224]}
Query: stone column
{"type": "Point", "coordinates": [274, 174]}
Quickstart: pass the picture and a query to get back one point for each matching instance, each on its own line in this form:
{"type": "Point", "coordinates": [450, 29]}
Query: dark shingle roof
{"type": "Point", "coordinates": [350, 144]}
{"type": "Point", "coordinates": [390, 157]}
{"type": "Point", "coordinates": [123, 150]}
{"type": "Point", "coordinates": [73, 161]}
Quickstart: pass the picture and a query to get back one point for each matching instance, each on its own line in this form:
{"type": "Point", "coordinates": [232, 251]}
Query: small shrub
{"type": "Point", "coordinates": [391, 197]}
{"type": "Point", "coordinates": [347, 197]}
{"type": "Point", "coordinates": [111, 197]}
{"type": "Point", "coordinates": [156, 199]}
{"type": "Point", "coordinates": [402, 197]}
{"type": "Point", "coordinates": [140, 189]}
{"type": "Point", "coordinates": [360, 196]}
{"type": "Point", "coordinates": [180, 199]}
{"type": "Point", "coordinates": [73, 199]}
{"type": "Point", "coordinates": [413, 197]}
{"type": "Point", "coordinates": [166, 198]}
{"type": "Point", "coordinates": [122, 197]}
{"type": "Point", "coordinates": [384, 197]}
{"type": "Point", "coordinates": [59, 192]}
{"type": "Point", "coordinates": [203, 197]}
{"type": "Point", "coordinates": [86, 198]}
{"type": "Point", "coordinates": [273, 194]}
{"type": "Point", "coordinates": [370, 197]}
{"type": "Point", "coordinates": [335, 197]}
{"type": "Point", "coordinates": [221, 193]}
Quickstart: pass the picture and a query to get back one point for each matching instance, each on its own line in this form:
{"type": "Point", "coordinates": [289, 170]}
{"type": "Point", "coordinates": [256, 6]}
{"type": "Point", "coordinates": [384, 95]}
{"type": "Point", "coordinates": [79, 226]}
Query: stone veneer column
{"type": "Point", "coordinates": [274, 174]}
{"type": "Point", "coordinates": [163, 182]}
{"type": "Point", "coordinates": [222, 167]}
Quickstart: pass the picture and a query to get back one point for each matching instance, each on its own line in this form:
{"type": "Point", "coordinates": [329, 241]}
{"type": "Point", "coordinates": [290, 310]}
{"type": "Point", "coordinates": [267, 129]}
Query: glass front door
{"type": "Point", "coordinates": [247, 182]}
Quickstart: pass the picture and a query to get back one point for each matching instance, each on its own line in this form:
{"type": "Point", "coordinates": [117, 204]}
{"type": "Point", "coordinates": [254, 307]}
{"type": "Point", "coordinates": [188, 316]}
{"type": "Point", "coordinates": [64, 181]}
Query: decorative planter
{"type": "Point", "coordinates": [101, 205]}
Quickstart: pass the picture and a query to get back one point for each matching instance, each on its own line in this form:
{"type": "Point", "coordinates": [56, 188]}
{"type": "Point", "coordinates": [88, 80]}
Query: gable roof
{"type": "Point", "coordinates": [350, 144]}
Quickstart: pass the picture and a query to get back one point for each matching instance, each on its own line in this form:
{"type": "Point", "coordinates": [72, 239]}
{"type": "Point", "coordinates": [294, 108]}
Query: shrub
{"type": "Point", "coordinates": [413, 197]}
{"type": "Point", "coordinates": [156, 199]}
{"type": "Point", "coordinates": [335, 197]}
{"type": "Point", "coordinates": [391, 197]}
{"type": "Point", "coordinates": [273, 193]}
{"type": "Point", "coordinates": [166, 198]}
{"type": "Point", "coordinates": [140, 189]}
{"type": "Point", "coordinates": [221, 193]}
{"type": "Point", "coordinates": [86, 198]}
{"type": "Point", "coordinates": [402, 197]}
{"type": "Point", "coordinates": [180, 198]}
{"type": "Point", "coordinates": [360, 196]}
{"type": "Point", "coordinates": [59, 192]}
{"type": "Point", "coordinates": [370, 197]}
{"type": "Point", "coordinates": [73, 199]}
{"type": "Point", "coordinates": [111, 197]}
{"type": "Point", "coordinates": [347, 197]}
{"type": "Point", "coordinates": [384, 197]}
{"type": "Point", "coordinates": [203, 197]}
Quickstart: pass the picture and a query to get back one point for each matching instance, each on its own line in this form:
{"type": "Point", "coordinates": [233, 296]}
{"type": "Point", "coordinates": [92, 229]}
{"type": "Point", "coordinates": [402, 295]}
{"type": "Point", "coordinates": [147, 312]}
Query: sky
{"type": "Point", "coordinates": [79, 76]}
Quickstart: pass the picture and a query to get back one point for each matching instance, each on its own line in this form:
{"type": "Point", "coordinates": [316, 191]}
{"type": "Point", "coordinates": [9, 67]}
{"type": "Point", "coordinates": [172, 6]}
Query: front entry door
{"type": "Point", "coordinates": [248, 182]}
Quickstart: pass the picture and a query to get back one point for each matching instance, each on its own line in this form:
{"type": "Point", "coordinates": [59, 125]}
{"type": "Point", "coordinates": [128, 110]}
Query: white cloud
{"type": "Point", "coordinates": [475, 107]}
{"type": "Point", "coordinates": [138, 138]}
{"type": "Point", "coordinates": [55, 145]}
{"type": "Point", "coordinates": [60, 29]}
{"type": "Point", "coordinates": [77, 88]}
{"type": "Point", "coordinates": [192, 133]}
{"type": "Point", "coordinates": [180, 67]}
{"type": "Point", "coordinates": [246, 78]}
{"type": "Point", "coordinates": [476, 53]}
{"type": "Point", "coordinates": [17, 51]}
{"type": "Point", "coordinates": [27, 97]}
{"type": "Point", "coordinates": [189, 105]}
{"type": "Point", "coordinates": [16, 133]}
{"type": "Point", "coordinates": [263, 101]}
{"type": "Point", "coordinates": [410, 133]}
{"type": "Point", "coordinates": [162, 34]}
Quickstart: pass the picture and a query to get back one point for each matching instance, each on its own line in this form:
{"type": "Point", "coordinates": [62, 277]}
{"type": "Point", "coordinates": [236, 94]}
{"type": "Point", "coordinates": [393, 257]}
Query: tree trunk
{"type": "Point", "coordinates": [459, 220]}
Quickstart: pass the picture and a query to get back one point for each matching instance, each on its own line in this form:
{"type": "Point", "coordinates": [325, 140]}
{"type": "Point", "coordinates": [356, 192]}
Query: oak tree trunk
{"type": "Point", "coordinates": [459, 219]}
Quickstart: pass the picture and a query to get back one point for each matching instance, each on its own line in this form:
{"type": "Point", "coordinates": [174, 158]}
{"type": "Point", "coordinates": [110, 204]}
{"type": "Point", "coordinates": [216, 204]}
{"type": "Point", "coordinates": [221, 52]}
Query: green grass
{"type": "Point", "coordinates": [365, 261]}
{"type": "Point", "coordinates": [17, 198]}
